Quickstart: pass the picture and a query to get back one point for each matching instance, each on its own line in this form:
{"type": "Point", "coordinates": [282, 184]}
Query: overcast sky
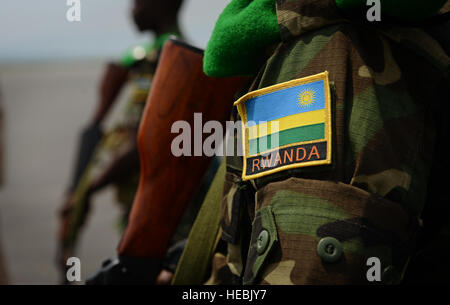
{"type": "Point", "coordinates": [33, 30]}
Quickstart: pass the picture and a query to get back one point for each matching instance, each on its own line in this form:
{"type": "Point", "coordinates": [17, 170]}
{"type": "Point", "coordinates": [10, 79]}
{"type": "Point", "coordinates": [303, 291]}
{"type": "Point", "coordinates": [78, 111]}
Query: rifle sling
{"type": "Point", "coordinates": [202, 240]}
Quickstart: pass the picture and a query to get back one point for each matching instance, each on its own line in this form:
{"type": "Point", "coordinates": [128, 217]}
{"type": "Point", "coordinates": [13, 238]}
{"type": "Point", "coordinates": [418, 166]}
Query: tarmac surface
{"type": "Point", "coordinates": [45, 106]}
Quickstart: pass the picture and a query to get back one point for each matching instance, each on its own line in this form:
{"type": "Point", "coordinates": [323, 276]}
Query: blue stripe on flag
{"type": "Point", "coordinates": [282, 103]}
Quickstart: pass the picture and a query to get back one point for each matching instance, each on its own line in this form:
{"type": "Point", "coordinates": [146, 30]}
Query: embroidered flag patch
{"type": "Point", "coordinates": [286, 126]}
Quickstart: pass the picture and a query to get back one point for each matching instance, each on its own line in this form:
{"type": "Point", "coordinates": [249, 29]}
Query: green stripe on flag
{"type": "Point", "coordinates": [289, 136]}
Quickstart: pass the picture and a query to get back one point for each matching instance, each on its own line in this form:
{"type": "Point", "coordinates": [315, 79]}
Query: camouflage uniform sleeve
{"type": "Point", "coordinates": [320, 225]}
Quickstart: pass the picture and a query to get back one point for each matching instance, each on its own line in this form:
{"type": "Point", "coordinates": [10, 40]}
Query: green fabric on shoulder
{"type": "Point", "coordinates": [402, 9]}
{"type": "Point", "coordinates": [139, 52]}
{"type": "Point", "coordinates": [246, 27]}
{"type": "Point", "coordinates": [243, 30]}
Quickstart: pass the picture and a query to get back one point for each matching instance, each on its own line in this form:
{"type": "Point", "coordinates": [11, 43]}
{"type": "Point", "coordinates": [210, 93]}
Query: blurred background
{"type": "Point", "coordinates": [49, 73]}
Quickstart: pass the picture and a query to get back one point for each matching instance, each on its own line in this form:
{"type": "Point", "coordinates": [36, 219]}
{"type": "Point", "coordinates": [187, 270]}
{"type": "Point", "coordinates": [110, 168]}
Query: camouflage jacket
{"type": "Point", "coordinates": [118, 138]}
{"type": "Point", "coordinates": [382, 195]}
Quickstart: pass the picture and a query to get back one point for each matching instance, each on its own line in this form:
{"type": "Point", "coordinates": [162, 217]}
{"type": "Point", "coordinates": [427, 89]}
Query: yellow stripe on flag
{"type": "Point", "coordinates": [288, 122]}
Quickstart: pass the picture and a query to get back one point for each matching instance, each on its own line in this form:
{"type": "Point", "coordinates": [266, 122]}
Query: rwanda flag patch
{"type": "Point", "coordinates": [286, 126]}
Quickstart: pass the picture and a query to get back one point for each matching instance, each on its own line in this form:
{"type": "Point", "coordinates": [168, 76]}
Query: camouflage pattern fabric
{"type": "Point", "coordinates": [119, 138]}
{"type": "Point", "coordinates": [383, 190]}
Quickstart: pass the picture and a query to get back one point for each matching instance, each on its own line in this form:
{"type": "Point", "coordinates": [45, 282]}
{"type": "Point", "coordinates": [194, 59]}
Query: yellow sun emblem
{"type": "Point", "coordinates": [307, 97]}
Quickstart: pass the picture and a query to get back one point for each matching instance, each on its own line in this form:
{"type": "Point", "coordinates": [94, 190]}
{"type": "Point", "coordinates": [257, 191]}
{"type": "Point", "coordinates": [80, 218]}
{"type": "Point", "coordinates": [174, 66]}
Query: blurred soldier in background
{"type": "Point", "coordinates": [3, 277]}
{"type": "Point", "coordinates": [112, 158]}
{"type": "Point", "coordinates": [359, 170]}
{"type": "Point", "coordinates": [1, 139]}
{"type": "Point", "coordinates": [169, 181]}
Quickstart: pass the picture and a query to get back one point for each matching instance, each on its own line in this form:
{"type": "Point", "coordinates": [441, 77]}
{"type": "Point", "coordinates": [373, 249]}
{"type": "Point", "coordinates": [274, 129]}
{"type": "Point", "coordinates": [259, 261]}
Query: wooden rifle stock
{"type": "Point", "coordinates": [168, 183]}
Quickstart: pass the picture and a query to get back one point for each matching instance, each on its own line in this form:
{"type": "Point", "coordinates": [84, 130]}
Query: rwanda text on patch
{"type": "Point", "coordinates": [286, 126]}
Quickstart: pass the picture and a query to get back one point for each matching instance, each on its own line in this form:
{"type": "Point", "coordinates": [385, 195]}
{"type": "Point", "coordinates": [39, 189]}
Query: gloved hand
{"type": "Point", "coordinates": [126, 271]}
{"type": "Point", "coordinates": [170, 262]}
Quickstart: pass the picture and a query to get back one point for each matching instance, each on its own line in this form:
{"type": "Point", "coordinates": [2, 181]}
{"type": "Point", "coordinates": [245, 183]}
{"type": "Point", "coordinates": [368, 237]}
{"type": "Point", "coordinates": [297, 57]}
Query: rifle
{"type": "Point", "coordinates": [167, 183]}
{"type": "Point", "coordinates": [113, 80]}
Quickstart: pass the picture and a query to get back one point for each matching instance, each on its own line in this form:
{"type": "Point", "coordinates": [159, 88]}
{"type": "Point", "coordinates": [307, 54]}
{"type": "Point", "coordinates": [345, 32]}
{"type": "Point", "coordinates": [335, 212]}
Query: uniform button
{"type": "Point", "coordinates": [262, 241]}
{"type": "Point", "coordinates": [390, 275]}
{"type": "Point", "coordinates": [329, 249]}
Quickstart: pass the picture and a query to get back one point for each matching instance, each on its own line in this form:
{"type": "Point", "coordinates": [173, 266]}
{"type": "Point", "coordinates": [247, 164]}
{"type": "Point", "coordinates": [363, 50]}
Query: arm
{"type": "Point", "coordinates": [114, 78]}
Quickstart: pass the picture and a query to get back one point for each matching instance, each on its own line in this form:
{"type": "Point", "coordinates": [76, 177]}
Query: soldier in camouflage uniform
{"type": "Point", "coordinates": [382, 194]}
{"type": "Point", "coordinates": [115, 159]}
